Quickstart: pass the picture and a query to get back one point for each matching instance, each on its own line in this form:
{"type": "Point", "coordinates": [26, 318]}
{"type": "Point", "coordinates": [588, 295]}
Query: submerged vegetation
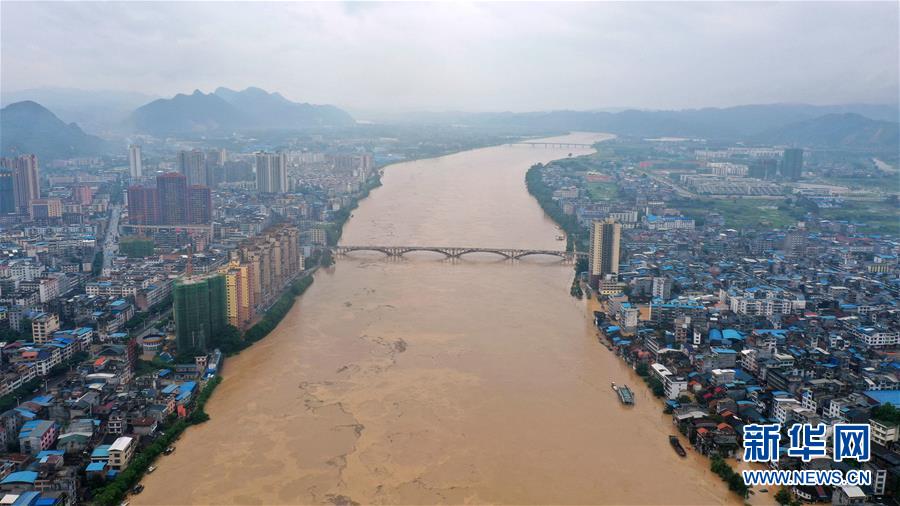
{"type": "Point", "coordinates": [734, 479]}
{"type": "Point", "coordinates": [113, 492]}
{"type": "Point", "coordinates": [576, 236]}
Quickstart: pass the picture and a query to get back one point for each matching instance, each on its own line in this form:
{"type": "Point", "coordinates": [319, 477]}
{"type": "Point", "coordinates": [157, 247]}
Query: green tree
{"type": "Point", "coordinates": [783, 497]}
{"type": "Point", "coordinates": [656, 386]}
{"type": "Point", "coordinates": [8, 334]}
{"type": "Point", "coordinates": [97, 264]}
{"type": "Point", "coordinates": [642, 369]}
{"type": "Point", "coordinates": [886, 413]}
{"type": "Point", "coordinates": [229, 340]}
{"type": "Point", "coordinates": [581, 265]}
{"type": "Point", "coordinates": [326, 260]}
{"type": "Point", "coordinates": [25, 325]}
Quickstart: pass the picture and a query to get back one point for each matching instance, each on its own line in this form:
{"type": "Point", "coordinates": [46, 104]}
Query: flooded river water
{"type": "Point", "coordinates": [422, 380]}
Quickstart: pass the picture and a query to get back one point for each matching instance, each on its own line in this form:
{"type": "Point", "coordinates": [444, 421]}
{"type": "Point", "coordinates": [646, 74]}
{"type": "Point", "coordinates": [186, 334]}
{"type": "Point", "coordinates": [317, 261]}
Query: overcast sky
{"type": "Point", "coordinates": [497, 56]}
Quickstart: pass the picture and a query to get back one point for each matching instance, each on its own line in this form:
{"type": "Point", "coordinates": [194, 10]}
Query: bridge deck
{"type": "Point", "coordinates": [457, 251]}
{"type": "Point", "coordinates": [553, 144]}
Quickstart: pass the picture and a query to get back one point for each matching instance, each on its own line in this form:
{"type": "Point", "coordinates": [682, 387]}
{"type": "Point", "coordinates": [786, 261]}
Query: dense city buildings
{"type": "Point", "coordinates": [26, 184]}
{"type": "Point", "coordinates": [746, 295]}
{"type": "Point", "coordinates": [171, 202]}
{"type": "Point", "coordinates": [771, 307]}
{"type": "Point", "coordinates": [135, 161]}
{"type": "Point", "coordinates": [192, 164]}
{"type": "Point", "coordinates": [82, 194]}
{"type": "Point", "coordinates": [199, 205]}
{"type": "Point", "coordinates": [239, 293]}
{"type": "Point", "coordinates": [271, 172]}
{"type": "Point", "coordinates": [792, 164]}
{"type": "Point", "coordinates": [763, 168]}
{"type": "Point", "coordinates": [7, 192]}
{"type": "Point", "coordinates": [172, 191]}
{"type": "Point", "coordinates": [605, 240]}
{"type": "Point", "coordinates": [143, 205]}
{"type": "Point", "coordinates": [639, 254]}
{"type": "Point", "coordinates": [199, 311]}
{"type": "Point", "coordinates": [45, 208]}
{"type": "Point", "coordinates": [215, 167]}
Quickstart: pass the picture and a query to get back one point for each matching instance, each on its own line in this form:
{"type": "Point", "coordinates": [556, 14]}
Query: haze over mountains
{"type": "Point", "coordinates": [97, 111]}
{"type": "Point", "coordinates": [836, 130]}
{"type": "Point", "coordinates": [225, 109]}
{"type": "Point", "coordinates": [28, 126]}
{"type": "Point", "coordinates": [744, 122]}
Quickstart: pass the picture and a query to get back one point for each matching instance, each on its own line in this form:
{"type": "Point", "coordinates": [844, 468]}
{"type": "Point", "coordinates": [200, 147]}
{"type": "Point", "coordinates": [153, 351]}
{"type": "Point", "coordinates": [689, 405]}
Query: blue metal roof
{"type": "Point", "coordinates": [46, 453]}
{"type": "Point", "coordinates": [884, 396]}
{"type": "Point", "coordinates": [43, 400]}
{"type": "Point", "coordinates": [30, 498]}
{"type": "Point", "coordinates": [26, 413]}
{"type": "Point", "coordinates": [101, 451]}
{"type": "Point", "coordinates": [20, 477]}
{"type": "Point", "coordinates": [732, 334]}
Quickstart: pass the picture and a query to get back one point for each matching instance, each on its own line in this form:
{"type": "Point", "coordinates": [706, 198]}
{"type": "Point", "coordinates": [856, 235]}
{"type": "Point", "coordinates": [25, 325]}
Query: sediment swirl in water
{"type": "Point", "coordinates": [428, 381]}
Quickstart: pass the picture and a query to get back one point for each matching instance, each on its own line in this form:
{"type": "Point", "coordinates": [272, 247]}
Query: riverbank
{"type": "Point", "coordinates": [416, 380]}
{"type": "Point", "coordinates": [578, 236]}
{"type": "Point", "coordinates": [115, 491]}
{"type": "Point", "coordinates": [335, 230]}
{"type": "Point", "coordinates": [641, 370]}
{"type": "Point", "coordinates": [112, 493]}
{"type": "Point", "coordinates": [544, 196]}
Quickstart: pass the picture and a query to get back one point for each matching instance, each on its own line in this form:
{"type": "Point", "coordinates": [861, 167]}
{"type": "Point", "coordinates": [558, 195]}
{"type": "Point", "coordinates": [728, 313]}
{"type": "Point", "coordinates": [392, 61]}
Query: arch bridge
{"type": "Point", "coordinates": [536, 144]}
{"type": "Point", "coordinates": [459, 251]}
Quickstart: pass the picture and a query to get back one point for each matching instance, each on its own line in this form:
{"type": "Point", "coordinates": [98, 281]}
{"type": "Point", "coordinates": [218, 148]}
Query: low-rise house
{"type": "Point", "coordinates": [37, 435]}
{"type": "Point", "coordinates": [120, 452]}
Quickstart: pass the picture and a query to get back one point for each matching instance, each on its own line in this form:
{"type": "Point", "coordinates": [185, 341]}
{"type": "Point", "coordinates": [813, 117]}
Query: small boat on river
{"type": "Point", "coordinates": [676, 445]}
{"type": "Point", "coordinates": [625, 395]}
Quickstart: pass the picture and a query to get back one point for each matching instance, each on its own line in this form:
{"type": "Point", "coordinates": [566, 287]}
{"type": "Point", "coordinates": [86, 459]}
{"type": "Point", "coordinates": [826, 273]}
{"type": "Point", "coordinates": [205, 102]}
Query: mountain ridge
{"type": "Point", "coordinates": [96, 111]}
{"type": "Point", "coordinates": [29, 127]}
{"type": "Point", "coordinates": [847, 129]}
{"type": "Point", "coordinates": [733, 124]}
{"type": "Point", "coordinates": [226, 109]}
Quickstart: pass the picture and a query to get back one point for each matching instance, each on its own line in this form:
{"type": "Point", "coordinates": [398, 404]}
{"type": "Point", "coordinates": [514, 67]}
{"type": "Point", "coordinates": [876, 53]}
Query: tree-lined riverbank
{"type": "Point", "coordinates": [429, 369]}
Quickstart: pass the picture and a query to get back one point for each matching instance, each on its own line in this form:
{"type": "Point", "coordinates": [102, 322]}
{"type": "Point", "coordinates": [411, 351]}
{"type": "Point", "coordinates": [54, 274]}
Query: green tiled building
{"type": "Point", "coordinates": [199, 311]}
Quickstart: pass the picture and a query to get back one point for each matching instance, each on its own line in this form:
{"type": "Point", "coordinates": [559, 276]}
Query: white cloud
{"type": "Point", "coordinates": [482, 56]}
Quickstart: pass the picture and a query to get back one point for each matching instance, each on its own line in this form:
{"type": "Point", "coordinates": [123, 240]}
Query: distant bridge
{"type": "Point", "coordinates": [536, 144]}
{"type": "Point", "coordinates": [457, 252]}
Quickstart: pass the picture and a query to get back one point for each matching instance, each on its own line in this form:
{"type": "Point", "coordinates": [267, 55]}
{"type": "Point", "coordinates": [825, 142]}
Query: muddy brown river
{"type": "Point", "coordinates": [422, 380]}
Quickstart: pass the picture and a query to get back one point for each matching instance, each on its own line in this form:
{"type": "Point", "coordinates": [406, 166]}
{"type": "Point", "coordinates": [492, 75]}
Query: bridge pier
{"type": "Point", "coordinates": [453, 252]}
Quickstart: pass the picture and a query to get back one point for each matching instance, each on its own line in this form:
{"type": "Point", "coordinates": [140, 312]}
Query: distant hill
{"type": "Point", "coordinates": [229, 110]}
{"type": "Point", "coordinates": [837, 130]}
{"type": "Point", "coordinates": [194, 113]}
{"type": "Point", "coordinates": [271, 110]}
{"type": "Point", "coordinates": [98, 111]}
{"type": "Point", "coordinates": [28, 127]}
{"type": "Point", "coordinates": [739, 123]}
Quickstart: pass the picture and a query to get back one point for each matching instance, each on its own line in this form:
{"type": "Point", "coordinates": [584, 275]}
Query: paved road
{"type": "Point", "coordinates": [151, 320]}
{"type": "Point", "coordinates": [111, 243]}
{"type": "Point", "coordinates": [682, 192]}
